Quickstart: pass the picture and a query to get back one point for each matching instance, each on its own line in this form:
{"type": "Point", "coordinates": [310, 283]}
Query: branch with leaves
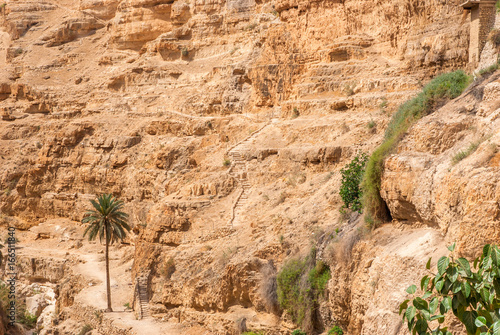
{"type": "Point", "coordinates": [471, 293]}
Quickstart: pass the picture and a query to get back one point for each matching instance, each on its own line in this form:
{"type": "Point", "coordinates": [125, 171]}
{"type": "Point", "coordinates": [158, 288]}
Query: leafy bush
{"type": "Point", "coordinates": [226, 162]}
{"type": "Point", "coordinates": [295, 113]}
{"type": "Point", "coordinates": [437, 92]}
{"type": "Point", "coordinates": [252, 333]}
{"type": "Point", "coordinates": [301, 282]}
{"type": "Point", "coordinates": [298, 332]}
{"type": "Point", "coordinates": [470, 291]}
{"type": "Point", "coordinates": [336, 330]}
{"type": "Point", "coordinates": [352, 174]}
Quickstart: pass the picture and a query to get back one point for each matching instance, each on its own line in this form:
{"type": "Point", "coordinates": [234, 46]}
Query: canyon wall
{"type": "Point", "coordinates": [223, 126]}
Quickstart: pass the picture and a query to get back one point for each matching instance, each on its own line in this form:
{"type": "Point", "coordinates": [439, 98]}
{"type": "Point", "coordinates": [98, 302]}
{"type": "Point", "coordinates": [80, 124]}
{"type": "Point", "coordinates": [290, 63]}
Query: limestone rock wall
{"type": "Point", "coordinates": [144, 98]}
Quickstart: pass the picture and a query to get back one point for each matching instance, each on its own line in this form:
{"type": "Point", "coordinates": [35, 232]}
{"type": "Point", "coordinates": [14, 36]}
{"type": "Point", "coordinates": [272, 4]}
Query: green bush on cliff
{"type": "Point", "coordinates": [434, 95]}
{"type": "Point", "coordinates": [352, 174]}
{"type": "Point", "coordinates": [301, 282]}
{"type": "Point", "coordinates": [471, 291]}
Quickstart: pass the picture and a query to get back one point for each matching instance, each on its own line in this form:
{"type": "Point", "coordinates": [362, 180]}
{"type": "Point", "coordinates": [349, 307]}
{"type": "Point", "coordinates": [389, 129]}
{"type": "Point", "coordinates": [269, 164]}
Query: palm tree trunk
{"type": "Point", "coordinates": [108, 285]}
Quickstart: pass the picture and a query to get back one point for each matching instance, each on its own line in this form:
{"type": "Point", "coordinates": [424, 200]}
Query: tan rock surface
{"type": "Point", "coordinates": [144, 99]}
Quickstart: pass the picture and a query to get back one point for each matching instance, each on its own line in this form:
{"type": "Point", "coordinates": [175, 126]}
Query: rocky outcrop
{"type": "Point", "coordinates": [445, 172]}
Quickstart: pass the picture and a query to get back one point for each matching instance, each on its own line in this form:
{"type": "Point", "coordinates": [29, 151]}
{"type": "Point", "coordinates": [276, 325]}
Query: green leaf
{"type": "Point", "coordinates": [496, 328]}
{"type": "Point", "coordinates": [403, 306]}
{"type": "Point", "coordinates": [468, 318]}
{"type": "Point", "coordinates": [424, 282]}
{"type": "Point", "coordinates": [466, 289]}
{"type": "Point", "coordinates": [435, 317]}
{"type": "Point", "coordinates": [433, 305]}
{"type": "Point", "coordinates": [410, 313]}
{"type": "Point", "coordinates": [480, 321]}
{"type": "Point", "coordinates": [426, 295]}
{"type": "Point", "coordinates": [461, 299]}
{"type": "Point", "coordinates": [428, 265]}
{"type": "Point", "coordinates": [421, 326]}
{"type": "Point", "coordinates": [452, 247]}
{"type": "Point", "coordinates": [486, 250]}
{"type": "Point", "coordinates": [420, 303]}
{"type": "Point", "coordinates": [452, 274]}
{"type": "Point", "coordinates": [485, 294]}
{"type": "Point", "coordinates": [443, 263]}
{"type": "Point", "coordinates": [411, 289]}
{"type": "Point", "coordinates": [439, 285]}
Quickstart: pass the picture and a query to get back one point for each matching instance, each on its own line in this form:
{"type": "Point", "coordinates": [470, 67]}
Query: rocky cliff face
{"type": "Point", "coordinates": [223, 125]}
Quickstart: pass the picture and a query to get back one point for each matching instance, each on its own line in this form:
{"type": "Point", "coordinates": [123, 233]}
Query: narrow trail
{"type": "Point", "coordinates": [239, 171]}
{"type": "Point", "coordinates": [93, 269]}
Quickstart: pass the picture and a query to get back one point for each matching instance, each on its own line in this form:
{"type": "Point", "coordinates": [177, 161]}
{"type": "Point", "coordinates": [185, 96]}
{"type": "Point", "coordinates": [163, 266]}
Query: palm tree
{"type": "Point", "coordinates": [107, 221]}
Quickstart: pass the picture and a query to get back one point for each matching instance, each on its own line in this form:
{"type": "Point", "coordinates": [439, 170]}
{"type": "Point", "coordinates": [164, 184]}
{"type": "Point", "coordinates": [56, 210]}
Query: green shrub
{"type": "Point", "coordinates": [25, 318]}
{"type": "Point", "coordinates": [226, 162]}
{"type": "Point", "coordinates": [470, 290]}
{"type": "Point", "coordinates": [252, 333]}
{"type": "Point", "coordinates": [336, 330]}
{"type": "Point", "coordinates": [298, 332]}
{"type": "Point", "coordinates": [437, 92]}
{"type": "Point", "coordinates": [295, 113]}
{"type": "Point", "coordinates": [371, 124]}
{"type": "Point", "coordinates": [301, 282]}
{"type": "Point", "coordinates": [350, 190]}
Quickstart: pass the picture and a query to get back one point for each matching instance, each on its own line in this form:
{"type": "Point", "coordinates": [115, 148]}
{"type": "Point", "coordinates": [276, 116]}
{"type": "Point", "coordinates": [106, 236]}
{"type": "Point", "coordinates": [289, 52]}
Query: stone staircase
{"type": "Point", "coordinates": [239, 171]}
{"type": "Point", "coordinates": [141, 297]}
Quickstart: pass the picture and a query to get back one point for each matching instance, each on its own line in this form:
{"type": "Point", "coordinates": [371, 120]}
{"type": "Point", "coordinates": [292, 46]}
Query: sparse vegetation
{"type": "Point", "coordinates": [298, 332]}
{"type": "Point", "coordinates": [25, 318]}
{"type": "Point", "coordinates": [349, 89]}
{"type": "Point", "coordinates": [252, 333]}
{"type": "Point", "coordinates": [301, 282]}
{"type": "Point", "coordinates": [184, 52]}
{"type": "Point", "coordinates": [85, 329]}
{"type": "Point", "coordinates": [168, 268]}
{"type": "Point", "coordinates": [435, 94]}
{"type": "Point", "coordinates": [494, 37]}
{"type": "Point", "coordinates": [226, 162]}
{"type": "Point", "coordinates": [350, 190]}
{"type": "Point", "coordinates": [98, 315]}
{"type": "Point", "coordinates": [295, 113]}
{"type": "Point", "coordinates": [127, 305]}
{"type": "Point", "coordinates": [462, 154]}
{"type": "Point", "coordinates": [489, 69]}
{"type": "Point", "coordinates": [251, 26]}
{"type": "Point", "coordinates": [336, 330]}
{"type": "Point", "coordinates": [371, 124]}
